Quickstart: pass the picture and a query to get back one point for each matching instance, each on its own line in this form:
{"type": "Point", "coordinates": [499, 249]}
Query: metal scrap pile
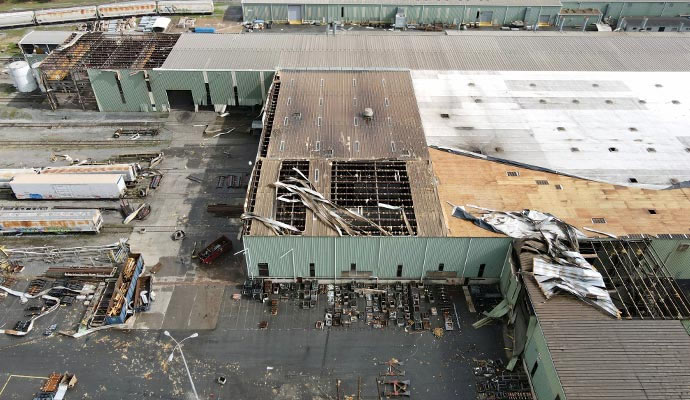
{"type": "Point", "coordinates": [340, 219]}
{"type": "Point", "coordinates": [558, 265]}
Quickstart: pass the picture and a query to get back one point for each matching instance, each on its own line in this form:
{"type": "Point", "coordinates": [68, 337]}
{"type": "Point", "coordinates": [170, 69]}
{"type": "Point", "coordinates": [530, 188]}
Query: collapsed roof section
{"type": "Point", "coordinates": [342, 153]}
{"type": "Point", "coordinates": [98, 50]}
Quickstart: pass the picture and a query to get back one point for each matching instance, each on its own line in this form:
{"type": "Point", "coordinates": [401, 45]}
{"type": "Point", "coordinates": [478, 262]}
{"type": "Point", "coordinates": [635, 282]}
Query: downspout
{"type": "Point", "coordinates": [426, 247]}
{"type": "Point", "coordinates": [464, 266]}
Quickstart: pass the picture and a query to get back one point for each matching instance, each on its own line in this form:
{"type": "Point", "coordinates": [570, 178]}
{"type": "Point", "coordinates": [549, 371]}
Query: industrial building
{"type": "Point", "coordinates": [539, 13]}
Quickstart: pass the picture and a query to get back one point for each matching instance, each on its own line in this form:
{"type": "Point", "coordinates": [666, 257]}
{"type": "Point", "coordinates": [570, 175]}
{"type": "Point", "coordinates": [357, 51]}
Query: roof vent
{"type": "Point", "coordinates": [368, 113]}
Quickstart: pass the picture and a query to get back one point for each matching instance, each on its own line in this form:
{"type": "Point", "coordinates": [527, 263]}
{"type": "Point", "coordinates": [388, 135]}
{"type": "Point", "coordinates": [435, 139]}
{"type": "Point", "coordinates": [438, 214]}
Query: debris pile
{"type": "Point", "coordinates": [558, 266]}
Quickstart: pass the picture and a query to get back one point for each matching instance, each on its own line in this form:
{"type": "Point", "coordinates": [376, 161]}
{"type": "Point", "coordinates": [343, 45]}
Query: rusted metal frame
{"type": "Point", "coordinates": [644, 267]}
{"type": "Point", "coordinates": [641, 294]}
{"type": "Point", "coordinates": [603, 267]}
{"type": "Point", "coordinates": [294, 214]}
{"type": "Point", "coordinates": [631, 298]}
{"type": "Point", "coordinates": [635, 266]}
{"type": "Point", "coordinates": [678, 293]}
{"type": "Point", "coordinates": [664, 297]}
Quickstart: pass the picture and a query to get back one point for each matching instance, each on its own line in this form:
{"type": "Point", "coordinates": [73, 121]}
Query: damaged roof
{"type": "Point", "coordinates": [613, 209]}
{"type": "Point", "coordinates": [321, 114]}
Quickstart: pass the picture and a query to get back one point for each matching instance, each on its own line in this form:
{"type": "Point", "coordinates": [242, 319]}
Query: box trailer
{"type": "Point", "coordinates": [68, 186]}
{"type": "Point", "coordinates": [128, 171]}
{"type": "Point", "coordinates": [185, 6]}
{"type": "Point", "coordinates": [50, 221]}
{"type": "Point", "coordinates": [55, 15]}
{"type": "Point", "coordinates": [6, 175]}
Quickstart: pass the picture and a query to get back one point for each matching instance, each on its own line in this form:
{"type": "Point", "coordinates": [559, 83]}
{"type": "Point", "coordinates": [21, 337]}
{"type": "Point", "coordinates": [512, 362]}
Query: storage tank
{"type": "Point", "coordinates": [50, 221]}
{"type": "Point", "coordinates": [128, 171]}
{"type": "Point", "coordinates": [117, 10]}
{"type": "Point", "coordinates": [204, 29]}
{"type": "Point", "coordinates": [185, 7]}
{"type": "Point", "coordinates": [66, 14]}
{"type": "Point", "coordinates": [16, 18]}
{"type": "Point", "coordinates": [67, 186]}
{"type": "Point", "coordinates": [22, 76]}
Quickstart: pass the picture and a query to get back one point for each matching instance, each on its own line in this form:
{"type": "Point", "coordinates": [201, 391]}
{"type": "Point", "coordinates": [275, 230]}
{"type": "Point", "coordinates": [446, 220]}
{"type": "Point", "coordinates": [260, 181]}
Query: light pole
{"type": "Point", "coordinates": [178, 345]}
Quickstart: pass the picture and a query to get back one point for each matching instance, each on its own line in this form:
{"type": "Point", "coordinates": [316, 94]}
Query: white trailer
{"type": "Point", "coordinates": [128, 171]}
{"type": "Point", "coordinates": [6, 175]}
{"type": "Point", "coordinates": [185, 7]}
{"type": "Point", "coordinates": [66, 14]}
{"type": "Point", "coordinates": [68, 186]}
{"type": "Point", "coordinates": [16, 18]}
{"type": "Point", "coordinates": [50, 221]}
{"type": "Point", "coordinates": [117, 10]}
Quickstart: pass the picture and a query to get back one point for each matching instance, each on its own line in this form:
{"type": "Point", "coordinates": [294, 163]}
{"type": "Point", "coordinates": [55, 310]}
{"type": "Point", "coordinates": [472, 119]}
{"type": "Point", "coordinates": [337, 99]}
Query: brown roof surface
{"type": "Point", "coordinates": [598, 357]}
{"type": "Point", "coordinates": [339, 98]}
{"type": "Point", "coordinates": [466, 180]}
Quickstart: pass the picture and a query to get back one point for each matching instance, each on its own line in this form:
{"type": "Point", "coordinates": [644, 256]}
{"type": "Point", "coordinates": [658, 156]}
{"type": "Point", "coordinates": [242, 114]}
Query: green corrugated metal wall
{"type": "Point", "coordinates": [249, 87]}
{"type": "Point", "coordinates": [634, 9]}
{"type": "Point", "coordinates": [177, 80]}
{"type": "Point", "coordinates": [134, 90]}
{"type": "Point", "coordinates": [378, 255]}
{"type": "Point", "coordinates": [358, 13]}
{"type": "Point", "coordinates": [220, 85]}
{"type": "Point", "coordinates": [545, 380]}
{"type": "Point", "coordinates": [677, 262]}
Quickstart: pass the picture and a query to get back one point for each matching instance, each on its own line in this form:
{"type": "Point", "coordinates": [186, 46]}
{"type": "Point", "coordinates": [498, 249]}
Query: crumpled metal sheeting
{"type": "Point", "coordinates": [276, 226]}
{"type": "Point", "coordinates": [340, 219]}
{"type": "Point", "coordinates": [559, 265]}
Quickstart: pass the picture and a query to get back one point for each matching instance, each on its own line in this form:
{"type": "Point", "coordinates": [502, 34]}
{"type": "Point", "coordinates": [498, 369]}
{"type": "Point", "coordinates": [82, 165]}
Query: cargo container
{"type": "Point", "coordinates": [117, 10]}
{"type": "Point", "coordinates": [185, 7]}
{"type": "Point", "coordinates": [6, 175]}
{"type": "Point", "coordinates": [56, 15]}
{"type": "Point", "coordinates": [204, 29]}
{"type": "Point", "coordinates": [50, 221]}
{"type": "Point", "coordinates": [215, 249]}
{"type": "Point", "coordinates": [128, 171]}
{"type": "Point", "coordinates": [20, 18]}
{"type": "Point", "coordinates": [68, 186]}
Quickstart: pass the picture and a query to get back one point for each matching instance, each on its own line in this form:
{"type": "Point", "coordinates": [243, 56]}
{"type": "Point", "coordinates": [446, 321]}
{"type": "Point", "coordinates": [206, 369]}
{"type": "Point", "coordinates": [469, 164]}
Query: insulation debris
{"type": "Point", "coordinates": [342, 220]}
{"type": "Point", "coordinates": [559, 267]}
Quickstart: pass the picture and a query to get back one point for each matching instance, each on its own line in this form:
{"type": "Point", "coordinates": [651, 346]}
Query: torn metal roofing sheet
{"type": "Point", "coordinates": [459, 50]}
{"type": "Point", "coordinates": [628, 128]}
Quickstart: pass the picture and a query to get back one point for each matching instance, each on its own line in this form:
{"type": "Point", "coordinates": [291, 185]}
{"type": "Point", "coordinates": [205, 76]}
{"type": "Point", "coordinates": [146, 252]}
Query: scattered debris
{"type": "Point", "coordinates": [178, 235]}
{"type": "Point", "coordinates": [194, 179]}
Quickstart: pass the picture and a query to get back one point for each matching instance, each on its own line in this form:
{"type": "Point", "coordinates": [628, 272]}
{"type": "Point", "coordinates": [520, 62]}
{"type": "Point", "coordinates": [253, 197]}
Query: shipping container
{"type": "Point", "coordinates": [117, 10]}
{"type": "Point", "coordinates": [185, 7]}
{"type": "Point", "coordinates": [50, 221]}
{"type": "Point", "coordinates": [6, 175]}
{"type": "Point", "coordinates": [20, 18]}
{"type": "Point", "coordinates": [55, 15]}
{"type": "Point", "coordinates": [67, 186]}
{"type": "Point", "coordinates": [128, 171]}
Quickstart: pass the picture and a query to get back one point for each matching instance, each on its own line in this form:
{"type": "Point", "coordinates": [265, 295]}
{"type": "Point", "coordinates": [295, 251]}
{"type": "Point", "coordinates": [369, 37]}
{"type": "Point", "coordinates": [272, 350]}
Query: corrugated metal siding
{"type": "Point", "coordinates": [485, 50]}
{"type": "Point", "coordinates": [489, 251]}
{"type": "Point", "coordinates": [545, 380]}
{"type": "Point", "coordinates": [177, 80]}
{"type": "Point", "coordinates": [248, 88]}
{"type": "Point", "coordinates": [220, 85]}
{"type": "Point", "coordinates": [134, 90]}
{"type": "Point", "coordinates": [313, 12]}
{"type": "Point", "coordinates": [335, 254]}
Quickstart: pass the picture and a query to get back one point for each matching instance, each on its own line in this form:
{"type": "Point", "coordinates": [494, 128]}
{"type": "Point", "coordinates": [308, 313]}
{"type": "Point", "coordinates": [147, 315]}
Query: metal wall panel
{"type": "Point", "coordinates": [135, 90]}
{"type": "Point", "coordinates": [489, 251]}
{"type": "Point", "coordinates": [248, 87]}
{"type": "Point", "coordinates": [545, 380]}
{"type": "Point", "coordinates": [388, 13]}
{"type": "Point", "coordinates": [316, 12]}
{"type": "Point", "coordinates": [105, 89]}
{"type": "Point", "coordinates": [221, 88]}
{"type": "Point", "coordinates": [279, 12]}
{"type": "Point", "coordinates": [177, 80]}
{"type": "Point", "coordinates": [380, 255]}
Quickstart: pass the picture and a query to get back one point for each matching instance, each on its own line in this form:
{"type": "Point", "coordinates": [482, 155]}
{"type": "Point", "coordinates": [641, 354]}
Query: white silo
{"type": "Point", "coordinates": [22, 77]}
